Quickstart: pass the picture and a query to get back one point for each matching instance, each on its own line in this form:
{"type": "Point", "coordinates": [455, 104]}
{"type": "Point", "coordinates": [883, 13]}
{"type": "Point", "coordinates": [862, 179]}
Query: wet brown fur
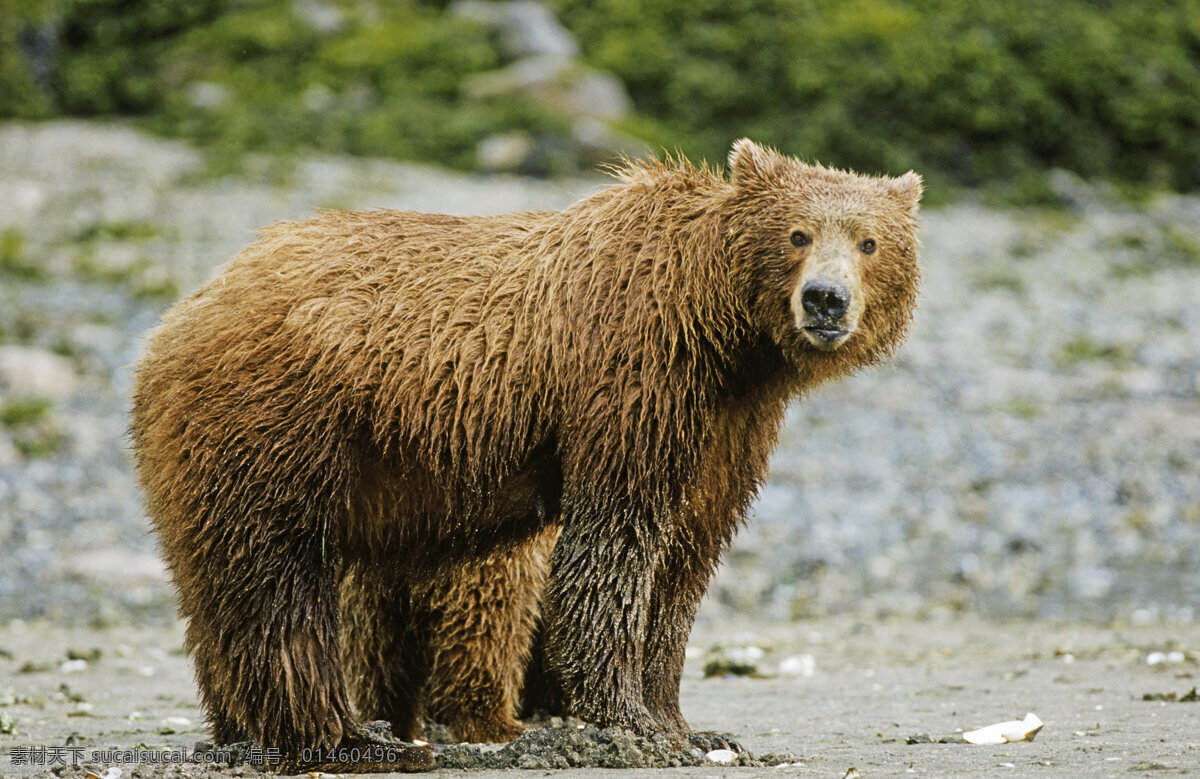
{"type": "Point", "coordinates": [360, 437]}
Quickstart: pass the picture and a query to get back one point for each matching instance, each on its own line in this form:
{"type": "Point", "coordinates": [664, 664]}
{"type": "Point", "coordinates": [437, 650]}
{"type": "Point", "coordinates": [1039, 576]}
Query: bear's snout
{"type": "Point", "coordinates": [826, 303]}
{"type": "Point", "coordinates": [825, 300]}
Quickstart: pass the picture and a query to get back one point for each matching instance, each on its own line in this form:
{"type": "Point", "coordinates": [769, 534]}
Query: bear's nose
{"type": "Point", "coordinates": [825, 299]}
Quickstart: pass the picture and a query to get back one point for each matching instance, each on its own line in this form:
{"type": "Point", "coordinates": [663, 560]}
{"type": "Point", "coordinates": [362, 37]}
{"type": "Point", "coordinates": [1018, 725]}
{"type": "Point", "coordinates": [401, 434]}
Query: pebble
{"type": "Point", "coordinates": [804, 665]}
{"type": "Point", "coordinates": [35, 373]}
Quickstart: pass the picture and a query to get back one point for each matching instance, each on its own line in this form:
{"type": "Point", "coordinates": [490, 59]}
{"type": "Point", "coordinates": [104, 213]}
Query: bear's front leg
{"type": "Point", "coordinates": [596, 610]}
{"type": "Point", "coordinates": [679, 586]}
{"type": "Point", "coordinates": [683, 574]}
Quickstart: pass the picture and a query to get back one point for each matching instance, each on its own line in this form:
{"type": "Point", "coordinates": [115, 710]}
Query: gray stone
{"type": "Point", "coordinates": [325, 18]}
{"type": "Point", "coordinates": [571, 89]}
{"type": "Point", "coordinates": [207, 95]}
{"type": "Point", "coordinates": [597, 143]}
{"type": "Point", "coordinates": [8, 453]}
{"type": "Point", "coordinates": [115, 564]}
{"type": "Point", "coordinates": [526, 27]}
{"type": "Point", "coordinates": [29, 372]}
{"type": "Point", "coordinates": [596, 94]}
{"type": "Point", "coordinates": [537, 76]}
{"type": "Point", "coordinates": [507, 152]}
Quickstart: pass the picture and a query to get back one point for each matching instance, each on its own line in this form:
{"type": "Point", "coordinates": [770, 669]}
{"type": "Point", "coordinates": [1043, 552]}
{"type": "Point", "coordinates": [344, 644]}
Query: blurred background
{"type": "Point", "coordinates": [1034, 450]}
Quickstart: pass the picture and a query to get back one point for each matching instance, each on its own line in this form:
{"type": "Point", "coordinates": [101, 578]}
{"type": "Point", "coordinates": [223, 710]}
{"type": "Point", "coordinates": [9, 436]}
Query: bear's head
{"type": "Point", "coordinates": [826, 258]}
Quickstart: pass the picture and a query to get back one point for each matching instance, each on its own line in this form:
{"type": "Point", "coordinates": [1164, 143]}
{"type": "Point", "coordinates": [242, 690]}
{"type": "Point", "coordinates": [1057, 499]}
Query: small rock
{"type": "Point", "coordinates": [529, 75]}
{"type": "Point", "coordinates": [530, 28]}
{"type": "Point", "coordinates": [73, 666]}
{"type": "Point", "coordinates": [598, 95]}
{"type": "Point", "coordinates": [9, 454]}
{"type": "Point", "coordinates": [29, 372]}
{"type": "Point", "coordinates": [325, 18]}
{"type": "Point", "coordinates": [318, 98]}
{"type": "Point", "coordinates": [116, 565]}
{"type": "Point", "coordinates": [526, 27]}
{"type": "Point", "coordinates": [207, 95]}
{"type": "Point", "coordinates": [32, 667]}
{"type": "Point", "coordinates": [598, 143]}
{"type": "Point", "coordinates": [26, 199]}
{"type": "Point", "coordinates": [560, 83]}
{"type": "Point", "coordinates": [507, 152]}
{"type": "Point", "coordinates": [804, 665]}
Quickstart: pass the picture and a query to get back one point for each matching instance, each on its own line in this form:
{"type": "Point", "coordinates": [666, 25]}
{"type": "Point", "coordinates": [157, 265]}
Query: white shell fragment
{"type": "Point", "coordinates": [723, 756]}
{"type": "Point", "coordinates": [798, 665]}
{"type": "Point", "coordinates": [1006, 732]}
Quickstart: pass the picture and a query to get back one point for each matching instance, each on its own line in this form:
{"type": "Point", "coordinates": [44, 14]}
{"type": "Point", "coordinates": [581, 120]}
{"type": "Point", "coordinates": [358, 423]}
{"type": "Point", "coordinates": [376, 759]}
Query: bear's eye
{"type": "Point", "coordinates": [800, 239]}
{"type": "Point", "coordinates": [867, 246]}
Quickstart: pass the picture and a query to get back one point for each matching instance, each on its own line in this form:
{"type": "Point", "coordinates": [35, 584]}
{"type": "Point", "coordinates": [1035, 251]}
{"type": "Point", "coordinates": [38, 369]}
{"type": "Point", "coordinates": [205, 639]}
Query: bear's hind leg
{"type": "Point", "coordinates": [487, 613]}
{"type": "Point", "coordinates": [263, 634]}
{"type": "Point", "coordinates": [385, 647]}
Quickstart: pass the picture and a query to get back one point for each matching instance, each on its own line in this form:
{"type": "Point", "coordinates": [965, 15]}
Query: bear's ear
{"type": "Point", "coordinates": [750, 163]}
{"type": "Point", "coordinates": [906, 191]}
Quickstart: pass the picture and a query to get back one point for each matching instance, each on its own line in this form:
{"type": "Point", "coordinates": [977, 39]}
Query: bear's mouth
{"type": "Point", "coordinates": [825, 337]}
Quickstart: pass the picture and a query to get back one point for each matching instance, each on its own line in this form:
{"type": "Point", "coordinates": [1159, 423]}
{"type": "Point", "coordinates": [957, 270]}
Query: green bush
{"type": "Point", "coordinates": [21, 94]}
{"type": "Point", "coordinates": [966, 92]}
{"type": "Point", "coordinates": [254, 75]}
{"type": "Point", "coordinates": [115, 52]}
{"type": "Point", "coordinates": [972, 92]}
{"type": "Point", "coordinates": [383, 84]}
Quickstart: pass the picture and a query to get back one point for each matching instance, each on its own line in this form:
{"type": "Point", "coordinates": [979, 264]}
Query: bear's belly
{"type": "Point", "coordinates": [428, 517]}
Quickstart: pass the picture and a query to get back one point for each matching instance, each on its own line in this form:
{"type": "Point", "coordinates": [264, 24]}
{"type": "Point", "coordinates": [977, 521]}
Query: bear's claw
{"type": "Point", "coordinates": [708, 740]}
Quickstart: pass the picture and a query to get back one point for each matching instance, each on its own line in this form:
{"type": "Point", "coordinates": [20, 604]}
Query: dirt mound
{"type": "Point", "coordinates": [573, 744]}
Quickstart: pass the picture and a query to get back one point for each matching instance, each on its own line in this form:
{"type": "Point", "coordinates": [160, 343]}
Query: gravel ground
{"type": "Point", "coordinates": [833, 694]}
{"type": "Point", "coordinates": [1033, 451]}
{"type": "Point", "coordinates": [1032, 454]}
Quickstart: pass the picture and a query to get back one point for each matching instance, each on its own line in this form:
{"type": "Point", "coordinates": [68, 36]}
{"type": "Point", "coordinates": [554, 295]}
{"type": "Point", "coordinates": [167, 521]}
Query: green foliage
{"type": "Point", "coordinates": [18, 413]}
{"type": "Point", "coordinates": [31, 426]}
{"type": "Point", "coordinates": [966, 92]}
{"type": "Point", "coordinates": [114, 51]}
{"type": "Point", "coordinates": [255, 75]}
{"type": "Point", "coordinates": [21, 94]}
{"type": "Point", "coordinates": [118, 231]}
{"type": "Point", "coordinates": [970, 92]}
{"type": "Point", "coordinates": [14, 260]}
{"type": "Point", "coordinates": [1084, 349]}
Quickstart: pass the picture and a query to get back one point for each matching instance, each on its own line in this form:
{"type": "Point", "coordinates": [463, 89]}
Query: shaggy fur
{"type": "Point", "coordinates": [361, 433]}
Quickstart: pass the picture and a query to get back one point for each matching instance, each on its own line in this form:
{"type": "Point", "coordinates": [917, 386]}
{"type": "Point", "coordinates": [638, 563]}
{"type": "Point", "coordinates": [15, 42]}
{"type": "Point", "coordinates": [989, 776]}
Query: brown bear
{"type": "Point", "coordinates": [370, 425]}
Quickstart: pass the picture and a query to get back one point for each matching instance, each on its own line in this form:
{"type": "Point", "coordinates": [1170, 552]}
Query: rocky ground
{"type": "Point", "coordinates": [1032, 453]}
{"type": "Point", "coordinates": [887, 697]}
